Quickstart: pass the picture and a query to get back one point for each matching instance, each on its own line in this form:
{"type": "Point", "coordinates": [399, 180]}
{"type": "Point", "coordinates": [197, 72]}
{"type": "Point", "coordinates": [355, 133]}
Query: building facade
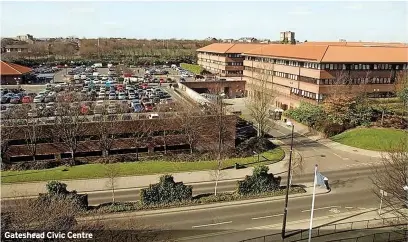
{"type": "Point", "coordinates": [288, 36]}
{"type": "Point", "coordinates": [224, 59]}
{"type": "Point", "coordinates": [309, 73]}
{"type": "Point", "coordinates": [12, 74]}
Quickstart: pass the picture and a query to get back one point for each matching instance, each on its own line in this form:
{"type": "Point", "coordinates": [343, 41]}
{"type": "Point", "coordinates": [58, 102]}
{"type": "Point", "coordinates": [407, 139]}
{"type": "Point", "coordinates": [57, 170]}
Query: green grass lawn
{"type": "Point", "coordinates": [196, 69]}
{"type": "Point", "coordinates": [131, 168]}
{"type": "Point", "coordinates": [377, 139]}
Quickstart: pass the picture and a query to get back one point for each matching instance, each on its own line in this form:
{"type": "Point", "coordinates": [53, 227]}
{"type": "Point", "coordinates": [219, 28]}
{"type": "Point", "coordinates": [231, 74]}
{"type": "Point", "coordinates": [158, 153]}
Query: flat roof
{"type": "Point", "coordinates": [223, 48]}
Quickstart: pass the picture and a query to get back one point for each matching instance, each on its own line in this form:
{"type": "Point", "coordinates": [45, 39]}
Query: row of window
{"type": "Point", "coordinates": [234, 63]}
{"type": "Point", "coordinates": [357, 81]}
{"type": "Point", "coordinates": [319, 66]}
{"type": "Point", "coordinates": [234, 55]}
{"type": "Point", "coordinates": [306, 94]}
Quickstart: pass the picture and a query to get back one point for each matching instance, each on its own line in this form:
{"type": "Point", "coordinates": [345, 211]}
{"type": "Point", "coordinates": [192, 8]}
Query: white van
{"type": "Point", "coordinates": [95, 74]}
{"type": "Point", "coordinates": [153, 116]}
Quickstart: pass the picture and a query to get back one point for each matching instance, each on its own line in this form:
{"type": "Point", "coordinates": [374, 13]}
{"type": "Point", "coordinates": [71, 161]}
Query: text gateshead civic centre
{"type": "Point", "coordinates": [48, 235]}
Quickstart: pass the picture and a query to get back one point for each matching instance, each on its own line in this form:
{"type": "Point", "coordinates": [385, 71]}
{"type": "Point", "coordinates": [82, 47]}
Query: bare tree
{"type": "Point", "coordinates": [32, 132]}
{"type": "Point", "coordinates": [70, 126]}
{"type": "Point", "coordinates": [106, 133]}
{"type": "Point", "coordinates": [391, 176]}
{"type": "Point", "coordinates": [297, 167]}
{"type": "Point", "coordinates": [112, 172]}
{"type": "Point", "coordinates": [142, 135]}
{"type": "Point", "coordinates": [190, 123]}
{"type": "Point", "coordinates": [260, 103]}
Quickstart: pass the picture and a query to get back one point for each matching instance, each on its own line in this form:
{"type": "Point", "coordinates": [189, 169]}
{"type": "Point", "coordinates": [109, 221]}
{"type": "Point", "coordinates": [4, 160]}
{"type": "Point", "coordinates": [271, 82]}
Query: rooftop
{"type": "Point", "coordinates": [224, 48]}
{"type": "Point", "coordinates": [334, 53]}
{"type": "Point", "coordinates": [345, 43]}
{"type": "Point", "coordinates": [7, 68]}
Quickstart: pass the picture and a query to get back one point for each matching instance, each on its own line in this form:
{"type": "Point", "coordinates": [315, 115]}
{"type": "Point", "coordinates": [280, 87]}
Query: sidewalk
{"type": "Point", "coordinates": [318, 137]}
{"type": "Point", "coordinates": [131, 182]}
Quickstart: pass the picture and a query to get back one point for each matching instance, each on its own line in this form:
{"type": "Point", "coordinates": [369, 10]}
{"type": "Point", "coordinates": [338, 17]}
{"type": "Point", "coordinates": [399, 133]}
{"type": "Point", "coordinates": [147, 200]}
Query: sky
{"type": "Point", "coordinates": [385, 21]}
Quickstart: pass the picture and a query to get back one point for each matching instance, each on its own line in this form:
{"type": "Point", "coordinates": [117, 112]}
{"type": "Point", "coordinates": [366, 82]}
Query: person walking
{"type": "Point", "coordinates": [326, 183]}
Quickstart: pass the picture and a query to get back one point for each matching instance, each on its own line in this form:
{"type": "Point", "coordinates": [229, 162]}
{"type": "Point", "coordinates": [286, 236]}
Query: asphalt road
{"type": "Point", "coordinates": [351, 194]}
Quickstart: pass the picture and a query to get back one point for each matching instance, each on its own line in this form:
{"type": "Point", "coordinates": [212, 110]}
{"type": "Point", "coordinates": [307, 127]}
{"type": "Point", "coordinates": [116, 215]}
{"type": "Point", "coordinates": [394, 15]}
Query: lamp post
{"type": "Point", "coordinates": [285, 212]}
{"type": "Point", "coordinates": [66, 69]}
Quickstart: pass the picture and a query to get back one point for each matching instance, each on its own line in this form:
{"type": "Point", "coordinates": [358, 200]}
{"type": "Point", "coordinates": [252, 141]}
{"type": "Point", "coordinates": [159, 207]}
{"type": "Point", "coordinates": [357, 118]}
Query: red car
{"type": "Point", "coordinates": [27, 99]}
{"type": "Point", "coordinates": [148, 107]}
{"type": "Point", "coordinates": [144, 85]}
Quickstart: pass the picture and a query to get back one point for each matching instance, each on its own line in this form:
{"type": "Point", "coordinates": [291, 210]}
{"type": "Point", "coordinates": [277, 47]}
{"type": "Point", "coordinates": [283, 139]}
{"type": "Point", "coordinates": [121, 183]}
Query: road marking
{"type": "Point", "coordinates": [361, 208]}
{"type": "Point", "coordinates": [314, 148]}
{"type": "Point", "coordinates": [348, 207]}
{"type": "Point", "coordinates": [337, 155]}
{"type": "Point", "coordinates": [269, 216]}
{"type": "Point", "coordinates": [308, 210]}
{"type": "Point", "coordinates": [207, 225]}
{"type": "Point", "coordinates": [280, 132]}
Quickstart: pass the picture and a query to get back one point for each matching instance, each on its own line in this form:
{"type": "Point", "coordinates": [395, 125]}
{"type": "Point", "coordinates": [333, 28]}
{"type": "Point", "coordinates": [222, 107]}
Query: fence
{"type": "Point", "coordinates": [332, 229]}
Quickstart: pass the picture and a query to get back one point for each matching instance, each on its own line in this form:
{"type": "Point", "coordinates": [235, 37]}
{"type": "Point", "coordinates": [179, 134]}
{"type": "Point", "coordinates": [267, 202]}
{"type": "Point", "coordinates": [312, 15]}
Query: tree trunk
{"type": "Point", "coordinates": [113, 193]}
{"type": "Point", "coordinates": [217, 176]}
{"type": "Point", "coordinates": [137, 153]}
{"type": "Point", "coordinates": [382, 118]}
{"type": "Point", "coordinates": [72, 158]}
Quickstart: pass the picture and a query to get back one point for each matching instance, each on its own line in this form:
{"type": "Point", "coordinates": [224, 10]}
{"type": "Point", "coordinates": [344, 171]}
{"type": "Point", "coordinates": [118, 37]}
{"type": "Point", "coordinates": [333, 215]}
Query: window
{"type": "Point", "coordinates": [344, 66]}
{"type": "Point", "coordinates": [331, 66]}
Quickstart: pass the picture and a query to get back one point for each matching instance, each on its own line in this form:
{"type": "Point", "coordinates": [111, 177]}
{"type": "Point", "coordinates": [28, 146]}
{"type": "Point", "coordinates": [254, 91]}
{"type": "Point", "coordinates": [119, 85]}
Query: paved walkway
{"type": "Point", "coordinates": [130, 182]}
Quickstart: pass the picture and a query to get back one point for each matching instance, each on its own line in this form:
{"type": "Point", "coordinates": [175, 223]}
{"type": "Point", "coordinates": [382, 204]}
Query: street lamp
{"type": "Point", "coordinates": [66, 69]}
{"type": "Point", "coordinates": [285, 212]}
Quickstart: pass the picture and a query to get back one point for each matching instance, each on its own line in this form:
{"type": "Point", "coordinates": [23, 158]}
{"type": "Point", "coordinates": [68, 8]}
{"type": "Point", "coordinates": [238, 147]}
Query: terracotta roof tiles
{"type": "Point", "coordinates": [223, 48]}
{"type": "Point", "coordinates": [7, 68]}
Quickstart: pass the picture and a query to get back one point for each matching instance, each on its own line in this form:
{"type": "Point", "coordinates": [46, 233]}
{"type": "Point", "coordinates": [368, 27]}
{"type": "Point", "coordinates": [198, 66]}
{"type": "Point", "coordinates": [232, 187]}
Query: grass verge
{"type": "Point", "coordinates": [197, 200]}
{"type": "Point", "coordinates": [377, 139]}
{"type": "Point", "coordinates": [196, 69]}
{"type": "Point", "coordinates": [132, 168]}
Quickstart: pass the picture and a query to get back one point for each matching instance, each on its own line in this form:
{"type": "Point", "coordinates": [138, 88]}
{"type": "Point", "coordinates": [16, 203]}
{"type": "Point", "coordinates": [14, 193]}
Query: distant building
{"type": "Point", "coordinates": [288, 36]}
{"type": "Point", "coordinates": [26, 38]}
{"type": "Point", "coordinates": [15, 48]}
{"type": "Point", "coordinates": [228, 40]}
{"type": "Point", "coordinates": [248, 39]}
{"type": "Point", "coordinates": [211, 39]}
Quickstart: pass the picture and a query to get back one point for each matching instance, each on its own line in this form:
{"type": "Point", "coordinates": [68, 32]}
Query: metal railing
{"type": "Point", "coordinates": [331, 229]}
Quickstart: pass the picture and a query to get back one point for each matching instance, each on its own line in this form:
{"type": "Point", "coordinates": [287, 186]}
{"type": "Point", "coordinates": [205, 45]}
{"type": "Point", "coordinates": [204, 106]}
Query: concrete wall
{"type": "Point", "coordinates": [236, 88]}
{"type": "Point", "coordinates": [193, 94]}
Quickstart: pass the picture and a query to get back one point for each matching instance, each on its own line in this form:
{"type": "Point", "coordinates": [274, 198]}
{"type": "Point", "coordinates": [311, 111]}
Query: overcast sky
{"type": "Point", "coordinates": [317, 21]}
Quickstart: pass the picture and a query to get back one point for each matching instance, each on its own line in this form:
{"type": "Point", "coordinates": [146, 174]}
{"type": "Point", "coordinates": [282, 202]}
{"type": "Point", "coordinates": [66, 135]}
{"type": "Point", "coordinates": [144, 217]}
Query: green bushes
{"type": "Point", "coordinates": [165, 192]}
{"type": "Point", "coordinates": [307, 114]}
{"type": "Point", "coordinates": [259, 182]}
{"type": "Point", "coordinates": [58, 190]}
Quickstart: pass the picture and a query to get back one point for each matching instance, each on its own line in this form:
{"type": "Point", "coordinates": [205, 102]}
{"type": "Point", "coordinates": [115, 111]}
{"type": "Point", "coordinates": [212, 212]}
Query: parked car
{"type": "Point", "coordinates": [15, 99]}
{"type": "Point", "coordinates": [112, 96]}
{"type": "Point", "coordinates": [122, 96]}
{"type": "Point", "coordinates": [148, 106]}
{"type": "Point", "coordinates": [39, 99]}
{"type": "Point", "coordinates": [27, 99]}
{"type": "Point", "coordinates": [112, 109]}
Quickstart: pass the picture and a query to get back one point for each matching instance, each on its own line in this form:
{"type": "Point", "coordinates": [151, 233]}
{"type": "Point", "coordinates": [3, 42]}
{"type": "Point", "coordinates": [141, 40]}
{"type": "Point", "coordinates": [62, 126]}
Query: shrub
{"type": "Point", "coordinates": [331, 129]}
{"type": "Point", "coordinates": [307, 114]}
{"type": "Point", "coordinates": [257, 144]}
{"type": "Point", "coordinates": [56, 188]}
{"type": "Point", "coordinates": [259, 182]}
{"type": "Point", "coordinates": [165, 192]}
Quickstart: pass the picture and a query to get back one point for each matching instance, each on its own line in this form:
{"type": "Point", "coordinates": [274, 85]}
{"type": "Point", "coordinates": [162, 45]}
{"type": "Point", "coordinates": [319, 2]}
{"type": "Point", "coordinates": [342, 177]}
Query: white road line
{"type": "Point", "coordinates": [337, 155]}
{"type": "Point", "coordinates": [308, 210]}
{"type": "Point", "coordinates": [269, 216]}
{"type": "Point", "coordinates": [361, 208]}
{"type": "Point", "coordinates": [207, 225]}
{"type": "Point", "coordinates": [280, 132]}
{"type": "Point", "coordinates": [348, 207]}
{"type": "Point", "coordinates": [314, 148]}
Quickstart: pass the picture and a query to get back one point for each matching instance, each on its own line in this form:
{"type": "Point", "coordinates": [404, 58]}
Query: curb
{"type": "Point", "coordinates": [201, 206]}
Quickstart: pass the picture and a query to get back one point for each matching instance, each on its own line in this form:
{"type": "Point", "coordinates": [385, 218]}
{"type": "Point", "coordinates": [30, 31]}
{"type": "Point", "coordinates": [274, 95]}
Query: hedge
{"type": "Point", "coordinates": [259, 182]}
{"type": "Point", "coordinates": [165, 192]}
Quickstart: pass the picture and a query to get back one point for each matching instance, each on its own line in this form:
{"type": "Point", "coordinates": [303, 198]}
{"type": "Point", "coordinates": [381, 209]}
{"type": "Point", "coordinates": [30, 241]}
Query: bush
{"type": "Point", "coordinates": [56, 188]}
{"type": "Point", "coordinates": [331, 129]}
{"type": "Point", "coordinates": [307, 114]}
{"type": "Point", "coordinates": [257, 144]}
{"type": "Point", "coordinates": [32, 165]}
{"type": "Point", "coordinates": [165, 192]}
{"type": "Point", "coordinates": [259, 182]}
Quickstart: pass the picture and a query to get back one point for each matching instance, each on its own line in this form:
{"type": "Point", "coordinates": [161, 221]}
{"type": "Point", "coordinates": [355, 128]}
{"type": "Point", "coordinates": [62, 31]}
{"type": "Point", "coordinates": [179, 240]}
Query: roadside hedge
{"type": "Point", "coordinates": [259, 182]}
{"type": "Point", "coordinates": [165, 192]}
